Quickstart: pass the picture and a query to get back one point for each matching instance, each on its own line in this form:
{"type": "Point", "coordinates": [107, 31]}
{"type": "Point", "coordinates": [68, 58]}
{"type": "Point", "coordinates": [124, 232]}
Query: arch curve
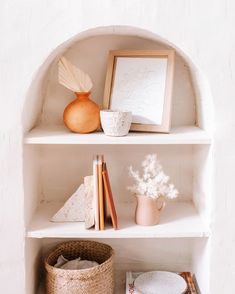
{"type": "Point", "coordinates": [37, 105]}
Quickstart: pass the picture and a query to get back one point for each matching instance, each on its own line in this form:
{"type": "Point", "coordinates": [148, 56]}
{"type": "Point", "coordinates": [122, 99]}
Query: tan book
{"type": "Point", "coordinates": [100, 191]}
{"type": "Point", "coordinates": [104, 196]}
{"type": "Point", "coordinates": [109, 197]}
{"type": "Point", "coordinates": [96, 192]}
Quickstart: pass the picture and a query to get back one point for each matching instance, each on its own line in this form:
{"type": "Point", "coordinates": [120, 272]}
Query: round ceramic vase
{"type": "Point", "coordinates": [115, 123]}
{"type": "Point", "coordinates": [82, 115]}
{"type": "Point", "coordinates": [148, 210]}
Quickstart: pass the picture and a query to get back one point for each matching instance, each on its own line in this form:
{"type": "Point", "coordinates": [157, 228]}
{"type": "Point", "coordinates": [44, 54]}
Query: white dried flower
{"type": "Point", "coordinates": [153, 182]}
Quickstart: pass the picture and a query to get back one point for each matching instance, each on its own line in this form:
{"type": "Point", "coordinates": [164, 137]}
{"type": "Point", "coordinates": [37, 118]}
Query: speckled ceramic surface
{"type": "Point", "coordinates": [115, 123]}
{"type": "Point", "coordinates": [160, 282]}
{"type": "Point", "coordinates": [73, 209]}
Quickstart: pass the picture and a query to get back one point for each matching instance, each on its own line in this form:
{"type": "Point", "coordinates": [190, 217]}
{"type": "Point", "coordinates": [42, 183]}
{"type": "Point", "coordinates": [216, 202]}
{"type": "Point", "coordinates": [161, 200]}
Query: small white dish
{"type": "Point", "coordinates": [160, 282]}
{"type": "Point", "coordinates": [115, 123]}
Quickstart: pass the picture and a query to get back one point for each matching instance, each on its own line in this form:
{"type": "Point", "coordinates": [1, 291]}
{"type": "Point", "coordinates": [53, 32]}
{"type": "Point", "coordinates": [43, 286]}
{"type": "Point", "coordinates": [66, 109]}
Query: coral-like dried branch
{"type": "Point", "coordinates": [153, 182]}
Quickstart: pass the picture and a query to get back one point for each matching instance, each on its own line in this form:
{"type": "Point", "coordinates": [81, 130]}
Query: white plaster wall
{"type": "Point", "coordinates": [30, 30]}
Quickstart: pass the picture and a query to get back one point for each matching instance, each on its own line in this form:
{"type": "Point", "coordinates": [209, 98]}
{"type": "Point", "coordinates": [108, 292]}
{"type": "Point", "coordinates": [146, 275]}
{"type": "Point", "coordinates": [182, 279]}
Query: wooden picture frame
{"type": "Point", "coordinates": [141, 81]}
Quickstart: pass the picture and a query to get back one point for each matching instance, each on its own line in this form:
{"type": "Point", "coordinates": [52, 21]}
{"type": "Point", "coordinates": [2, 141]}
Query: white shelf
{"type": "Point", "coordinates": [179, 219]}
{"type": "Point", "coordinates": [60, 135]}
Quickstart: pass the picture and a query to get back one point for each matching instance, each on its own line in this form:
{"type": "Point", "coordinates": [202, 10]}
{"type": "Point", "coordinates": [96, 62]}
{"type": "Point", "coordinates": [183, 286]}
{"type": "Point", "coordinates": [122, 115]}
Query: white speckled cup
{"type": "Point", "coordinates": [115, 123]}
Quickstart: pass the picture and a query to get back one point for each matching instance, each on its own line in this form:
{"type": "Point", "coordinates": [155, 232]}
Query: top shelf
{"type": "Point", "coordinates": [60, 135]}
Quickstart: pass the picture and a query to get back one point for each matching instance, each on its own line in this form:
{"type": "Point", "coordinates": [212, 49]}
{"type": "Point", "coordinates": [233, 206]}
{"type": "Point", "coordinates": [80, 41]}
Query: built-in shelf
{"type": "Point", "coordinates": [179, 219]}
{"type": "Point", "coordinates": [60, 135]}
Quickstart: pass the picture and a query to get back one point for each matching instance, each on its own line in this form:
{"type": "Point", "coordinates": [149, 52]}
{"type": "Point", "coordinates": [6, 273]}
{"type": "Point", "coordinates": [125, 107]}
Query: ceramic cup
{"type": "Point", "coordinates": [115, 123]}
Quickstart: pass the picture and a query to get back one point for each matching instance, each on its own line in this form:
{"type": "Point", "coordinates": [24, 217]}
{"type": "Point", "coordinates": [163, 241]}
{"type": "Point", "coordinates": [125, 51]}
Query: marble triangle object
{"type": "Point", "coordinates": [89, 202]}
{"type": "Point", "coordinates": [73, 209]}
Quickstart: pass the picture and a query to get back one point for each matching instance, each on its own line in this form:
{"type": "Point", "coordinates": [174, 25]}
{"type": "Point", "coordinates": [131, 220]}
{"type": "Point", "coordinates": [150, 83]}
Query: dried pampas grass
{"type": "Point", "coordinates": [72, 77]}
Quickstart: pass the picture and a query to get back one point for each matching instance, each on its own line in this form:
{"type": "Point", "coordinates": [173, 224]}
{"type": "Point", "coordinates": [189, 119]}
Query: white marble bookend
{"type": "Point", "coordinates": [74, 208]}
{"type": "Point", "coordinates": [89, 202]}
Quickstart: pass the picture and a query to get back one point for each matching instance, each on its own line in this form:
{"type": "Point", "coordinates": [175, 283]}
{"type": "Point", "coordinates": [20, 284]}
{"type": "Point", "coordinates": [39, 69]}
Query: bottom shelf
{"type": "Point", "coordinates": [124, 286]}
{"type": "Point", "coordinates": [178, 220]}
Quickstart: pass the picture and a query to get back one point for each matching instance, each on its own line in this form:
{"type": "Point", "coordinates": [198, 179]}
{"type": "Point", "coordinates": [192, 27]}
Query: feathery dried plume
{"type": "Point", "coordinates": [72, 77]}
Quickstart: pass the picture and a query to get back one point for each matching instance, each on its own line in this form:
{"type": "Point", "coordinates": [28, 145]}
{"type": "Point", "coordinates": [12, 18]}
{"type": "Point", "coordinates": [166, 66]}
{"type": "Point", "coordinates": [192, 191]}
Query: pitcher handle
{"type": "Point", "coordinates": [162, 203]}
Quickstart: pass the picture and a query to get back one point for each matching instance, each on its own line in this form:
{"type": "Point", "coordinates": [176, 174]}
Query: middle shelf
{"type": "Point", "coordinates": [60, 135]}
{"type": "Point", "coordinates": [178, 220]}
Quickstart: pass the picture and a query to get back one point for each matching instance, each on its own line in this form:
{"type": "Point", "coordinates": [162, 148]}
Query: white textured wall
{"type": "Point", "coordinates": [30, 30]}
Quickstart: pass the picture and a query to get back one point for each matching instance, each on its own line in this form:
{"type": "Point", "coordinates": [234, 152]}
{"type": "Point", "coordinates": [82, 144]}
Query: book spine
{"type": "Point", "coordinates": [109, 197]}
{"type": "Point", "coordinates": [104, 194]}
{"type": "Point", "coordinates": [96, 195]}
{"type": "Point", "coordinates": [190, 283]}
{"type": "Point", "coordinates": [130, 288]}
{"type": "Point", "coordinates": [100, 191]}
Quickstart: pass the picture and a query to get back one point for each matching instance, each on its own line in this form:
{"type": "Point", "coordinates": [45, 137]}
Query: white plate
{"type": "Point", "coordinates": [159, 282]}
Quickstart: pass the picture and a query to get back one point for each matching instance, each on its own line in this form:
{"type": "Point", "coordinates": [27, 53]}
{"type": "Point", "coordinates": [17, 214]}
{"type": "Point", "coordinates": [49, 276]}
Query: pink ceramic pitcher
{"type": "Point", "coordinates": [148, 210]}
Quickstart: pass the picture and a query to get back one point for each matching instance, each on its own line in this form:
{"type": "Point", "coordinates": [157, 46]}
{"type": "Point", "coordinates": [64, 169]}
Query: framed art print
{"type": "Point", "coordinates": [141, 81]}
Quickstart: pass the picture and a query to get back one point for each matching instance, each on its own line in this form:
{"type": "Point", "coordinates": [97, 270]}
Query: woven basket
{"type": "Point", "coordinates": [95, 280]}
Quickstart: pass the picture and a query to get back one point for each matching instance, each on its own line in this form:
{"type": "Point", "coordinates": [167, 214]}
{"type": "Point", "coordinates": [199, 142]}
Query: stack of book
{"type": "Point", "coordinates": [102, 194]}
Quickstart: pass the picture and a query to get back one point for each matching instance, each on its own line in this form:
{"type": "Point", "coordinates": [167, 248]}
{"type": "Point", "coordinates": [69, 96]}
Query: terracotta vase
{"type": "Point", "coordinates": [148, 210]}
{"type": "Point", "coordinates": [82, 115]}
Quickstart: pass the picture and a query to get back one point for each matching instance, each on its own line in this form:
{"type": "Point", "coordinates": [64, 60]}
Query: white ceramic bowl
{"type": "Point", "coordinates": [160, 282]}
{"type": "Point", "coordinates": [115, 123]}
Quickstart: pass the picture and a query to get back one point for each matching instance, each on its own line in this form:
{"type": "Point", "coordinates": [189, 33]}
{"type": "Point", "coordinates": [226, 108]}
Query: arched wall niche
{"type": "Point", "coordinates": [52, 172]}
{"type": "Point", "coordinates": [46, 99]}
